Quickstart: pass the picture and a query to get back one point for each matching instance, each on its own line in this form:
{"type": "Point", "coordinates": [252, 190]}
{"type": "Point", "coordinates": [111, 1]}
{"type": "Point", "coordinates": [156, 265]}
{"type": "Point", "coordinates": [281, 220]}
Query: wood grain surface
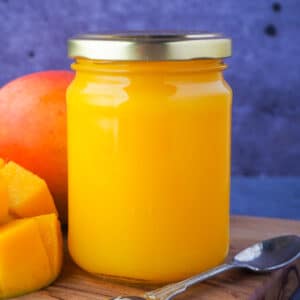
{"type": "Point", "coordinates": [75, 284]}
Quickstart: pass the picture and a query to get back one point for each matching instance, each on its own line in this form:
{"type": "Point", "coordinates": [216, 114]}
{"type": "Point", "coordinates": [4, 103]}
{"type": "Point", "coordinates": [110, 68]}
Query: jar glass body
{"type": "Point", "coordinates": [149, 168]}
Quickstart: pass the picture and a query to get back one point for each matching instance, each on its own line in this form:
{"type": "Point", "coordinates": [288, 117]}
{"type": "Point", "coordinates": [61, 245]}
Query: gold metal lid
{"type": "Point", "coordinates": [143, 46]}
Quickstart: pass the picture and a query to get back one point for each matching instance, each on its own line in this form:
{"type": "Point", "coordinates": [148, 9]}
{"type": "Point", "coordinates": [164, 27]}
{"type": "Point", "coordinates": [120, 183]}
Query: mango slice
{"type": "Point", "coordinates": [24, 263]}
{"type": "Point", "coordinates": [3, 200]}
{"type": "Point", "coordinates": [51, 235]}
{"type": "Point", "coordinates": [5, 216]}
{"type": "Point", "coordinates": [28, 195]}
{"type": "Point", "coordinates": [30, 254]}
{"type": "Point", "coordinates": [31, 248]}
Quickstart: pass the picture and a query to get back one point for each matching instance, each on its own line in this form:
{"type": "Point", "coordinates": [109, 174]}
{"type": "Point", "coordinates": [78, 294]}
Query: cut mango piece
{"type": "Point", "coordinates": [3, 200]}
{"type": "Point", "coordinates": [31, 248]}
{"type": "Point", "coordinates": [24, 262]}
{"type": "Point", "coordinates": [8, 218]}
{"type": "Point", "coordinates": [28, 195]}
{"type": "Point", "coordinates": [4, 217]}
{"type": "Point", "coordinates": [51, 235]}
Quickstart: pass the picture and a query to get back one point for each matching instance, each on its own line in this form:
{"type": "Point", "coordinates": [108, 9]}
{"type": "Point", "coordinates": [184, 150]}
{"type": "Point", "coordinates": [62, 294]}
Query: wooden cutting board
{"type": "Point", "coordinates": [75, 284]}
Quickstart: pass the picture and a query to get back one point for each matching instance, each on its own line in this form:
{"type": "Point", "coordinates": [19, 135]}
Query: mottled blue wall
{"type": "Point", "coordinates": [264, 70]}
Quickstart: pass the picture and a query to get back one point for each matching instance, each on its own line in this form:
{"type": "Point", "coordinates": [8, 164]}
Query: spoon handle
{"type": "Point", "coordinates": [171, 290]}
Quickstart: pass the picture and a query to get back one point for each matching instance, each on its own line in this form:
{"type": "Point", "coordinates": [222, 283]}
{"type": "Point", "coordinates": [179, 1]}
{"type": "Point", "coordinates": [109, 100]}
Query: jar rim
{"type": "Point", "coordinates": [148, 46]}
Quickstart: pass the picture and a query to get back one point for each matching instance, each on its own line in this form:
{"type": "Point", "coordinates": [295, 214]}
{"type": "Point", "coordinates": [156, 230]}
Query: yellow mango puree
{"type": "Point", "coordinates": [149, 167]}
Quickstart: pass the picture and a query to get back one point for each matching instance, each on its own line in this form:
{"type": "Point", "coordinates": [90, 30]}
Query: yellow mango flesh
{"type": "Point", "coordinates": [3, 197]}
{"type": "Point", "coordinates": [3, 201]}
{"type": "Point", "coordinates": [5, 216]}
{"type": "Point", "coordinates": [51, 235]}
{"type": "Point", "coordinates": [31, 248]}
{"type": "Point", "coordinates": [30, 254]}
{"type": "Point", "coordinates": [24, 263]}
{"type": "Point", "coordinates": [28, 195]}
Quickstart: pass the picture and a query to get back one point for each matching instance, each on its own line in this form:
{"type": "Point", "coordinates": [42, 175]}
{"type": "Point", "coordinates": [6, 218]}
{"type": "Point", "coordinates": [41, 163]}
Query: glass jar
{"type": "Point", "coordinates": [149, 120]}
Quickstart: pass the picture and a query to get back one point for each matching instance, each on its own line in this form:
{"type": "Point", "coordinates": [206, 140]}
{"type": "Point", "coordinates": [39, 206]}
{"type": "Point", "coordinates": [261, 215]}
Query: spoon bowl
{"type": "Point", "coordinates": [270, 254]}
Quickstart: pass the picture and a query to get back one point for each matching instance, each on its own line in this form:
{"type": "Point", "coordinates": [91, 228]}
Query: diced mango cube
{"type": "Point", "coordinates": [8, 218]}
{"type": "Point", "coordinates": [3, 197]}
{"type": "Point", "coordinates": [51, 235]}
{"type": "Point", "coordinates": [31, 248]}
{"type": "Point", "coordinates": [24, 262]}
{"type": "Point", "coordinates": [3, 200]}
{"type": "Point", "coordinates": [28, 195]}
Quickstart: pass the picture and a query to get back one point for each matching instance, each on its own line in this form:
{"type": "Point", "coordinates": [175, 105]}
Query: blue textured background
{"type": "Point", "coordinates": [264, 70]}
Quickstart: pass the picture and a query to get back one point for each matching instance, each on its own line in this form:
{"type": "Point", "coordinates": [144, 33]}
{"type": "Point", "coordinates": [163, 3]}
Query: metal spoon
{"type": "Point", "coordinates": [264, 256]}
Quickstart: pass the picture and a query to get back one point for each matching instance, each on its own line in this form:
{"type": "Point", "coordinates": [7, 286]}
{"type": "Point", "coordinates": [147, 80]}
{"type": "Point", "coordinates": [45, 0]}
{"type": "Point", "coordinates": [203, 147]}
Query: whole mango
{"type": "Point", "coordinates": [33, 128]}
